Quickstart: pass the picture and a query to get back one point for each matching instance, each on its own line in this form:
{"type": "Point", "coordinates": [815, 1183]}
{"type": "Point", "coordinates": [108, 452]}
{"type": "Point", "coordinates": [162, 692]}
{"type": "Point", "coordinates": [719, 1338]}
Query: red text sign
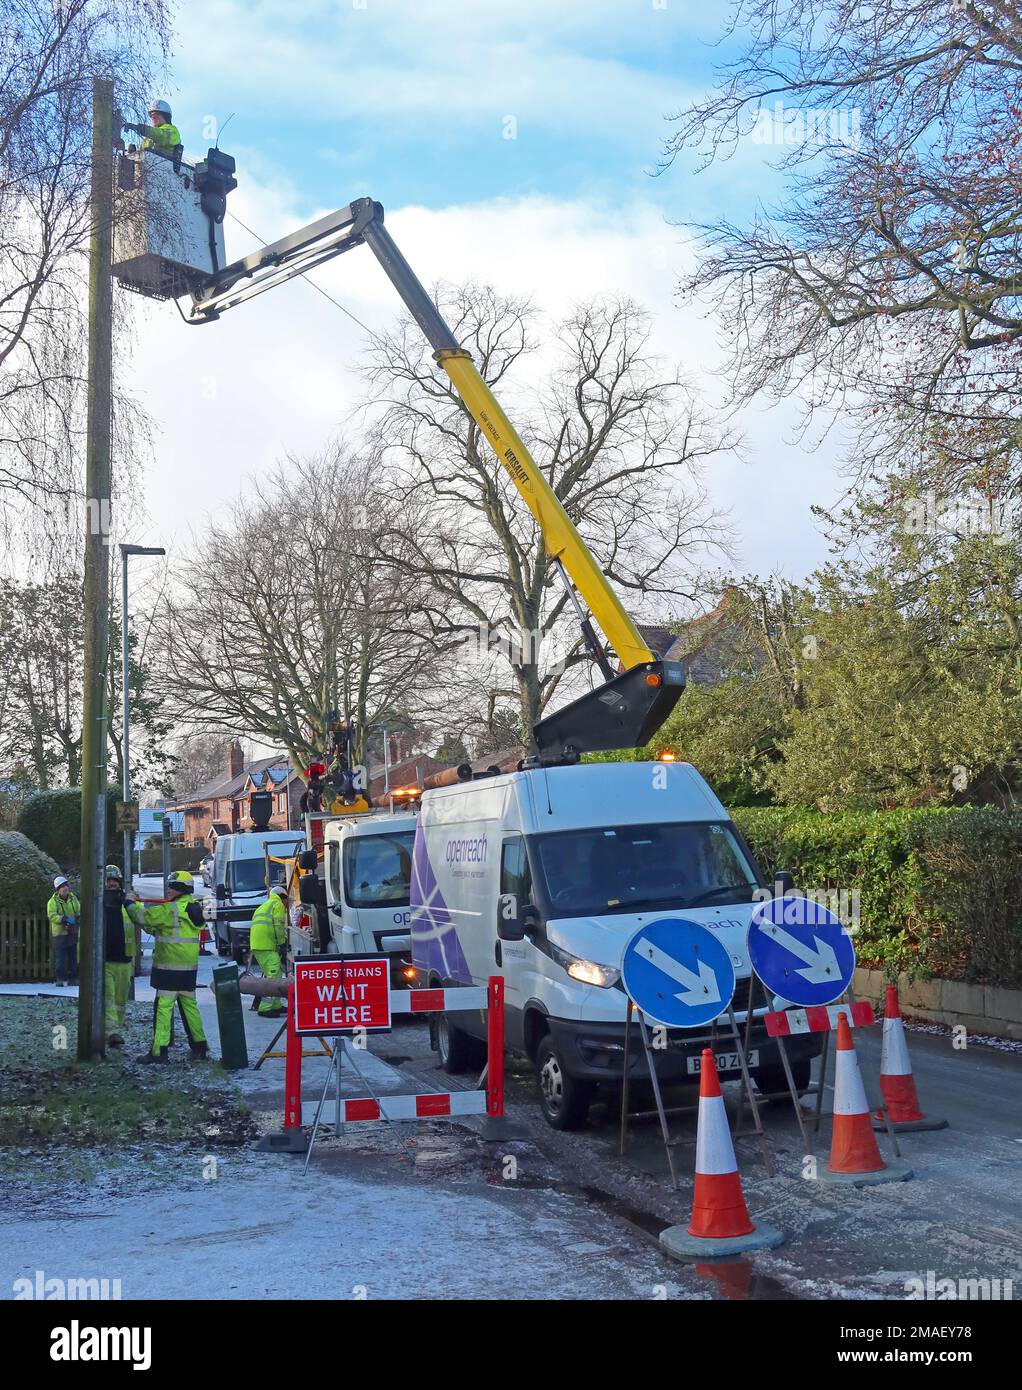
{"type": "Point", "coordinates": [338, 994]}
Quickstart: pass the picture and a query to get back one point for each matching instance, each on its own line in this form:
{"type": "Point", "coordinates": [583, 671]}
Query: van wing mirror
{"type": "Point", "coordinates": [221, 892]}
{"type": "Point", "coordinates": [516, 926]}
{"type": "Point", "coordinates": [784, 882]}
{"type": "Point", "coordinates": [308, 860]}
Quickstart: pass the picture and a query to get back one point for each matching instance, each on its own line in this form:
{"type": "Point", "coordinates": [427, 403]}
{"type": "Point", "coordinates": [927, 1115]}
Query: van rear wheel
{"type": "Point", "coordinates": [456, 1050]}
{"type": "Point", "coordinates": [564, 1100]}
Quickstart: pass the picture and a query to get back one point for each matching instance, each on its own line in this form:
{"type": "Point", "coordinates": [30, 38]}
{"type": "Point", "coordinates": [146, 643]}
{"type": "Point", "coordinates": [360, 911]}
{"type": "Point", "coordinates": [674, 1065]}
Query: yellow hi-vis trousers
{"type": "Point", "coordinates": [164, 1012]}
{"type": "Point", "coordinates": [117, 977]}
{"type": "Point", "coordinates": [269, 964]}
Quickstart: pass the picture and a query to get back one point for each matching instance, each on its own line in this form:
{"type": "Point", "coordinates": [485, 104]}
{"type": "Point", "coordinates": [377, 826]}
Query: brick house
{"type": "Point", "coordinates": [221, 807]}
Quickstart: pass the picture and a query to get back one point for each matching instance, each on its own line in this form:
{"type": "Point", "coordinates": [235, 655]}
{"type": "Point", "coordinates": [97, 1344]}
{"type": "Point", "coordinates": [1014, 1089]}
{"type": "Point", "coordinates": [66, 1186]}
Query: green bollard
{"type": "Point", "coordinates": [229, 1016]}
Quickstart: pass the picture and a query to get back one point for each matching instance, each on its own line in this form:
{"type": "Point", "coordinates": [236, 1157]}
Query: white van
{"type": "Point", "coordinates": [368, 868]}
{"type": "Point", "coordinates": [240, 881]}
{"type": "Point", "coordinates": [541, 876]}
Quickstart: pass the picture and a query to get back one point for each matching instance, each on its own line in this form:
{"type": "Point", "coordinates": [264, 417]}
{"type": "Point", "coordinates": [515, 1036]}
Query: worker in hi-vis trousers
{"type": "Point", "coordinates": [267, 940]}
{"type": "Point", "coordinates": [121, 915]}
{"type": "Point", "coordinates": [177, 925]}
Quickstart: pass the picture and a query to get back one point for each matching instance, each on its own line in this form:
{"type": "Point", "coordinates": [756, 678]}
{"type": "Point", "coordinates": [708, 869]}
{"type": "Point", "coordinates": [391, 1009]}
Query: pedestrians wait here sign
{"type": "Point", "coordinates": [336, 994]}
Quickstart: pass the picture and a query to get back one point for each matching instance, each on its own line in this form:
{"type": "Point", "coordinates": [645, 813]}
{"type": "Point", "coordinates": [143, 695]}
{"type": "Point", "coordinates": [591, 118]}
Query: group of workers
{"type": "Point", "coordinates": [177, 926]}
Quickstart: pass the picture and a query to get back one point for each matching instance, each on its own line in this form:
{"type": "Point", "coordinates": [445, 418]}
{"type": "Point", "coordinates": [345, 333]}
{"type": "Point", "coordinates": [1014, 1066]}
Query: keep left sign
{"type": "Point", "coordinates": [338, 994]}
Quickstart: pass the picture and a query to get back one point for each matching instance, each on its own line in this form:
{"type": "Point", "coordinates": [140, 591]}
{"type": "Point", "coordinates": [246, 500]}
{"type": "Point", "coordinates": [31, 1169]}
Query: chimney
{"type": "Point", "coordinates": [235, 760]}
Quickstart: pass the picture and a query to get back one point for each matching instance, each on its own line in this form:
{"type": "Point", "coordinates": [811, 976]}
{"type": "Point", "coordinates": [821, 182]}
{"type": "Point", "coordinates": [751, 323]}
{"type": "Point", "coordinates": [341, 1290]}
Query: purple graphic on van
{"type": "Point", "coordinates": [435, 944]}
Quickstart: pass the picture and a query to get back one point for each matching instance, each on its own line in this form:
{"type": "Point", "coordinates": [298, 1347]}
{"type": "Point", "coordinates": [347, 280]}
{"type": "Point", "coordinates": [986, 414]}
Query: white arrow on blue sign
{"type": "Point", "coordinates": [677, 973]}
{"type": "Point", "coordinates": [800, 950]}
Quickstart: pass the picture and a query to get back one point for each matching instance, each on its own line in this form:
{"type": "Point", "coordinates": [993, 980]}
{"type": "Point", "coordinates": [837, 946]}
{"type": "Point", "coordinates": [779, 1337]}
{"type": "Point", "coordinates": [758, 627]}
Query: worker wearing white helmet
{"type": "Point", "coordinates": [161, 134]}
{"type": "Point", "coordinates": [268, 942]}
{"type": "Point", "coordinates": [64, 912]}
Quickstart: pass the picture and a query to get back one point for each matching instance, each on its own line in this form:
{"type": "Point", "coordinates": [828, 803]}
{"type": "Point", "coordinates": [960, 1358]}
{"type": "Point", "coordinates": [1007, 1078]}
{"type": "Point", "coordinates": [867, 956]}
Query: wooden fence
{"type": "Point", "coordinates": [25, 950]}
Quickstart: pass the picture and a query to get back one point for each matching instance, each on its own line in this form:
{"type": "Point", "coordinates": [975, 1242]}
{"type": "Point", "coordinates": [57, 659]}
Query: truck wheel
{"type": "Point", "coordinates": [564, 1101]}
{"type": "Point", "coordinates": [769, 1079]}
{"type": "Point", "coordinates": [456, 1050]}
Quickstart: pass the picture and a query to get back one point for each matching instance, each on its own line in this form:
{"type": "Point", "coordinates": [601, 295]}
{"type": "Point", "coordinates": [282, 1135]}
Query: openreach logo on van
{"type": "Point", "coordinates": [470, 849]}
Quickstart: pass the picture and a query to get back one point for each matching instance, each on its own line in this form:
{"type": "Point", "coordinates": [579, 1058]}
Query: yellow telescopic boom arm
{"type": "Point", "coordinates": [625, 712]}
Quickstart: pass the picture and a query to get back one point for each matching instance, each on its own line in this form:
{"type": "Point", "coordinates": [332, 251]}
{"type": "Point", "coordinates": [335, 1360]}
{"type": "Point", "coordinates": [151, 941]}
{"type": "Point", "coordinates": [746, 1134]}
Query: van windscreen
{"type": "Point", "coordinates": [378, 869]}
{"type": "Point", "coordinates": [632, 868]}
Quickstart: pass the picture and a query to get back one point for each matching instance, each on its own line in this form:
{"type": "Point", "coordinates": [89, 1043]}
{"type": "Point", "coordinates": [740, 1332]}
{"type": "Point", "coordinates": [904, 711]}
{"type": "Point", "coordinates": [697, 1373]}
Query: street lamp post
{"type": "Point", "coordinates": [386, 756]}
{"type": "Point", "coordinates": [126, 551]}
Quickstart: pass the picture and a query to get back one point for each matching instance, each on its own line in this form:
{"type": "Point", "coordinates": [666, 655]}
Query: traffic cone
{"type": "Point", "coordinates": [897, 1084]}
{"type": "Point", "coordinates": [854, 1154]}
{"type": "Point", "coordinates": [720, 1222]}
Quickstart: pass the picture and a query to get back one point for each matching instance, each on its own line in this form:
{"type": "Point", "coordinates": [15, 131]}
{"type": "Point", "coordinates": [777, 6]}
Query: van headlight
{"type": "Point", "coordinates": [587, 972]}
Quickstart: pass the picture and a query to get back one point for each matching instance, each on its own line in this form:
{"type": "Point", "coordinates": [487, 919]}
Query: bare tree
{"type": "Point", "coordinates": [622, 441]}
{"type": "Point", "coordinates": [49, 52]}
{"type": "Point", "coordinates": [289, 619]}
{"type": "Point", "coordinates": [889, 277]}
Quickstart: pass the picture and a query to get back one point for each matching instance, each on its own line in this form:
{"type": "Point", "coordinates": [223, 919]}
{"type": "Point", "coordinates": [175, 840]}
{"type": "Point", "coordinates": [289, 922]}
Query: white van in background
{"type": "Point", "coordinates": [541, 876]}
{"type": "Point", "coordinates": [240, 881]}
{"type": "Point", "coordinates": [368, 868]}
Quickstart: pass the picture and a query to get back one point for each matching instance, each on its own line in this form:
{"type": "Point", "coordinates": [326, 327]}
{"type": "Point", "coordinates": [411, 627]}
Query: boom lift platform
{"type": "Point", "coordinates": [629, 708]}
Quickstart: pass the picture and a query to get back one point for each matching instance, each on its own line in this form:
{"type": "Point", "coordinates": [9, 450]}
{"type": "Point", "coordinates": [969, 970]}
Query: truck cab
{"type": "Point", "coordinates": [542, 876]}
{"type": "Point", "coordinates": [368, 869]}
{"type": "Point", "coordinates": [243, 873]}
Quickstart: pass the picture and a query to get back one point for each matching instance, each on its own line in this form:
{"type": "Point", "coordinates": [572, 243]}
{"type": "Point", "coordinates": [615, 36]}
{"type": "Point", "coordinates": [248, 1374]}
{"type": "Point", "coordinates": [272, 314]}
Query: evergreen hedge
{"type": "Point", "coordinates": [939, 889]}
{"type": "Point", "coordinates": [53, 820]}
{"type": "Point", "coordinates": [26, 874]}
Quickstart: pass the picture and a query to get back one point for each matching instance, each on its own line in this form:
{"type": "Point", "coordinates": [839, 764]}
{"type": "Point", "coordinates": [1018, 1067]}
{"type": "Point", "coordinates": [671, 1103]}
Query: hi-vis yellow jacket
{"type": "Point", "coordinates": [269, 925]}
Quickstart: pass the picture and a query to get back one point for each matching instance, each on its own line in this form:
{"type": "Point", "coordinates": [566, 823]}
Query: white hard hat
{"type": "Point", "coordinates": [59, 881]}
{"type": "Point", "coordinates": [280, 888]}
{"type": "Point", "coordinates": [162, 106]}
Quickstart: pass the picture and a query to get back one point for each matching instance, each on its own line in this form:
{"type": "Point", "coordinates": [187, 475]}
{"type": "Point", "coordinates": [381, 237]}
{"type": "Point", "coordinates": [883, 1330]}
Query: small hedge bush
{"type": "Point", "coordinates": [26, 873]}
{"type": "Point", "coordinates": [940, 889]}
{"type": "Point", "coordinates": [53, 820]}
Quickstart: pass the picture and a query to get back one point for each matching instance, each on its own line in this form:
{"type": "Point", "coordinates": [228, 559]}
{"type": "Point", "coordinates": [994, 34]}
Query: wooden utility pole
{"type": "Point", "coordinates": [91, 946]}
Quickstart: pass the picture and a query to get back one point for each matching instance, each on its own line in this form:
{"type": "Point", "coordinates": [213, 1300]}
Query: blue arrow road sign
{"type": "Point", "coordinates": [800, 950]}
{"type": "Point", "coordinates": [678, 973]}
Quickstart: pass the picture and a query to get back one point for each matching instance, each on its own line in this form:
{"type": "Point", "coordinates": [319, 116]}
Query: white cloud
{"type": "Point", "coordinates": [577, 65]}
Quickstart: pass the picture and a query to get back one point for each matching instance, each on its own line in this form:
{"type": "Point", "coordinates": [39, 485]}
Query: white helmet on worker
{"type": "Point", "coordinates": [59, 881]}
{"type": "Point", "coordinates": [280, 888]}
{"type": "Point", "coordinates": [161, 108]}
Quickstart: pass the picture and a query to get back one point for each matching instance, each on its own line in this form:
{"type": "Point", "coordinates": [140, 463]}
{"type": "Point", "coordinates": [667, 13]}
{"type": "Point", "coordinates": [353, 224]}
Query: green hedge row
{"type": "Point", "coordinates": [939, 889]}
{"type": "Point", "coordinates": [53, 820]}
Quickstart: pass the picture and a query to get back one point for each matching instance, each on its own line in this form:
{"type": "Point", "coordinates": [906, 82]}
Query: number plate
{"type": "Point", "coordinates": [726, 1061]}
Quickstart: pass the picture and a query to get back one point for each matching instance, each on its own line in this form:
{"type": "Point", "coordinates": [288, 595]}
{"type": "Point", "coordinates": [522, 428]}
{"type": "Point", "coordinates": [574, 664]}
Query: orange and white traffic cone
{"type": "Point", "coordinates": [720, 1222]}
{"type": "Point", "coordinates": [897, 1084]}
{"type": "Point", "coordinates": [854, 1153]}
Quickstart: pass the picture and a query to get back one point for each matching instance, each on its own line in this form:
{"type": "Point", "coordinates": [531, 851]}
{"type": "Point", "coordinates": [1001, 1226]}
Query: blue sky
{"type": "Point", "coordinates": [410, 101]}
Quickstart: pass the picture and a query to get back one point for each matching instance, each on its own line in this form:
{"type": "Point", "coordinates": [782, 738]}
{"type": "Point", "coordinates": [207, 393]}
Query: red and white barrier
{"type": "Point", "coordinates": [434, 1105]}
{"type": "Point", "coordinates": [818, 1019]}
{"type": "Point", "coordinates": [437, 1105]}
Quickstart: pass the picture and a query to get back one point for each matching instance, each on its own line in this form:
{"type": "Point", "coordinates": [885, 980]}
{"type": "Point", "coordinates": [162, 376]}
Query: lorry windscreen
{"type": "Point", "coordinates": [631, 868]}
{"type": "Point", "coordinates": [378, 869]}
{"type": "Point", "coordinates": [249, 875]}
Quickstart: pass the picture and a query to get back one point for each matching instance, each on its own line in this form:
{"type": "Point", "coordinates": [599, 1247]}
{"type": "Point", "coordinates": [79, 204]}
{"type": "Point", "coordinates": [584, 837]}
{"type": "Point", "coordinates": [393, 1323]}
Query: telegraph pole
{"type": "Point", "coordinates": [91, 1037]}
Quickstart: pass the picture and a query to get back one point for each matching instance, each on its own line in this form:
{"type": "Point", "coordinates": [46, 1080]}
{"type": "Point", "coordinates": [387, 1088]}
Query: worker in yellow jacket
{"type": "Point", "coordinates": [177, 925]}
{"type": "Point", "coordinates": [121, 915]}
{"type": "Point", "coordinates": [267, 941]}
{"type": "Point", "coordinates": [161, 134]}
{"type": "Point", "coordinates": [64, 912]}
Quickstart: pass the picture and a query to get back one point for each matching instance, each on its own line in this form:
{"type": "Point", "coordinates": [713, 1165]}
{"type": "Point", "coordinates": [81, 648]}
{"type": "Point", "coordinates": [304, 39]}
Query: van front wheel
{"type": "Point", "coordinates": [456, 1050]}
{"type": "Point", "coordinates": [564, 1100]}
